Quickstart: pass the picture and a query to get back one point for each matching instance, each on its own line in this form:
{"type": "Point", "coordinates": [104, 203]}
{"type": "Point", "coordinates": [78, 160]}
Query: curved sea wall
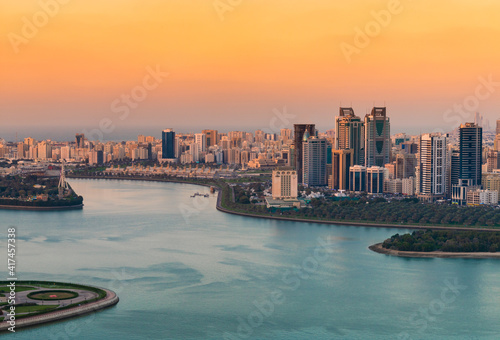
{"type": "Point", "coordinates": [433, 254]}
{"type": "Point", "coordinates": [281, 218]}
{"type": "Point", "coordinates": [111, 299]}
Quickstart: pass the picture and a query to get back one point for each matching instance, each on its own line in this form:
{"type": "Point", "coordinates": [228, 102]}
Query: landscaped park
{"type": "Point", "coordinates": [41, 301]}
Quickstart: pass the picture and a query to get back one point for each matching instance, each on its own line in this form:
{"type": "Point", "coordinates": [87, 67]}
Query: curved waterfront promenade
{"type": "Point", "coordinates": [433, 254]}
{"type": "Point", "coordinates": [111, 299]}
{"type": "Point", "coordinates": [34, 208]}
{"type": "Point", "coordinates": [281, 218]}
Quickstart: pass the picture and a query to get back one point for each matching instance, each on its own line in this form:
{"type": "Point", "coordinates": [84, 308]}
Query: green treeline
{"type": "Point", "coordinates": [446, 241]}
{"type": "Point", "coordinates": [406, 211]}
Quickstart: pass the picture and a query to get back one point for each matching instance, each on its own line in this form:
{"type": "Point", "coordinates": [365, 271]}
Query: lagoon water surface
{"type": "Point", "coordinates": [183, 270]}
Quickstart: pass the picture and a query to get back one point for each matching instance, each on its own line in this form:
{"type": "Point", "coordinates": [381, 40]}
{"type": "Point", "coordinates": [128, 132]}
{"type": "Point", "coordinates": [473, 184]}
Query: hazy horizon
{"type": "Point", "coordinates": [207, 68]}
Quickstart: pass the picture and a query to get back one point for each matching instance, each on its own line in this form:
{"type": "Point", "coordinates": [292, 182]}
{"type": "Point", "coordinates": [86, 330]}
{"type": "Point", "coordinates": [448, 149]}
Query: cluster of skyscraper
{"type": "Point", "coordinates": [363, 158]}
{"type": "Point", "coordinates": [361, 148]}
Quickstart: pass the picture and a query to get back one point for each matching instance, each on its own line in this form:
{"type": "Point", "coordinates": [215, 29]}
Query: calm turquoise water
{"type": "Point", "coordinates": [183, 270]}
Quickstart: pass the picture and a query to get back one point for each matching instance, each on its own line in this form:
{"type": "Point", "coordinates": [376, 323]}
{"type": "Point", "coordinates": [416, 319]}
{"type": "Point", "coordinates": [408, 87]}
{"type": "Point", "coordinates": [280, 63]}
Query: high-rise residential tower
{"type": "Point", "coordinates": [377, 138]}
{"type": "Point", "coordinates": [314, 161]}
{"type": "Point", "coordinates": [168, 144]}
{"type": "Point", "coordinates": [433, 167]}
{"type": "Point", "coordinates": [471, 156]}
{"type": "Point", "coordinates": [212, 137]}
{"type": "Point", "coordinates": [301, 130]}
{"type": "Point", "coordinates": [80, 140]}
{"type": "Point", "coordinates": [201, 140]}
{"type": "Point", "coordinates": [350, 134]}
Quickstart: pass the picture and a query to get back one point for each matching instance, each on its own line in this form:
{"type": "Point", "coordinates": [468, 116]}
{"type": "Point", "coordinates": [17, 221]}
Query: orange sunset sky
{"type": "Point", "coordinates": [229, 67]}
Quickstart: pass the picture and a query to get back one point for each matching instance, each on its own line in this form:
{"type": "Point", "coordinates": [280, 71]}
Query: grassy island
{"type": "Point", "coordinates": [445, 241]}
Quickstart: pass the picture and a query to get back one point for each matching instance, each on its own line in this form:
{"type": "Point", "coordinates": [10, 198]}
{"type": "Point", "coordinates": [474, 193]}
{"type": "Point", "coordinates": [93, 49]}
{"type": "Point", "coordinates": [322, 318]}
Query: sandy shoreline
{"type": "Point", "coordinates": [379, 249]}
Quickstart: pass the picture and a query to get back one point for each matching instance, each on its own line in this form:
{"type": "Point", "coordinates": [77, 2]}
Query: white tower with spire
{"type": "Point", "coordinates": [63, 185]}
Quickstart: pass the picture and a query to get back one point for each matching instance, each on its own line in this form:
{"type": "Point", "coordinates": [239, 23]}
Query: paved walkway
{"type": "Point", "coordinates": [110, 300]}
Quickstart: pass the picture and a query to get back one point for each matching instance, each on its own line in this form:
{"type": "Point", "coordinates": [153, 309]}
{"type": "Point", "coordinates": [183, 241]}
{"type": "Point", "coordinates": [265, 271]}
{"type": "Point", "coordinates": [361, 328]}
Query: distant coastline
{"type": "Point", "coordinates": [225, 210]}
{"type": "Point", "coordinates": [433, 254]}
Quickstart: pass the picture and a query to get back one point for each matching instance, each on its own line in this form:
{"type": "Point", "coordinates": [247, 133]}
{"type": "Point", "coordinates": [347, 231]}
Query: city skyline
{"type": "Point", "coordinates": [262, 56]}
{"type": "Point", "coordinates": [230, 169]}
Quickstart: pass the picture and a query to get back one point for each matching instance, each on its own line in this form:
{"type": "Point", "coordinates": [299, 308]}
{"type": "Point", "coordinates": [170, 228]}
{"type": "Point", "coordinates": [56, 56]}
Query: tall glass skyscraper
{"type": "Point", "coordinates": [377, 138]}
{"type": "Point", "coordinates": [350, 134]}
{"type": "Point", "coordinates": [471, 156]}
{"type": "Point", "coordinates": [168, 144]}
{"type": "Point", "coordinates": [314, 162]}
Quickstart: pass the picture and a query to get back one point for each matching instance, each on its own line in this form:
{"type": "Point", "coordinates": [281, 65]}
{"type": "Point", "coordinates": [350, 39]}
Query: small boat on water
{"type": "Point", "coordinates": [198, 194]}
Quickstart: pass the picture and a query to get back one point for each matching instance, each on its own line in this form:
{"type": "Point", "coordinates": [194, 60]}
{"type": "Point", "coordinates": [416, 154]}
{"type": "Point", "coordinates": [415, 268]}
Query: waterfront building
{"type": "Point", "coordinates": [284, 184]}
{"type": "Point", "coordinates": [314, 161]}
{"type": "Point", "coordinates": [375, 180]}
{"type": "Point", "coordinates": [357, 178]}
{"type": "Point", "coordinates": [433, 167]}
